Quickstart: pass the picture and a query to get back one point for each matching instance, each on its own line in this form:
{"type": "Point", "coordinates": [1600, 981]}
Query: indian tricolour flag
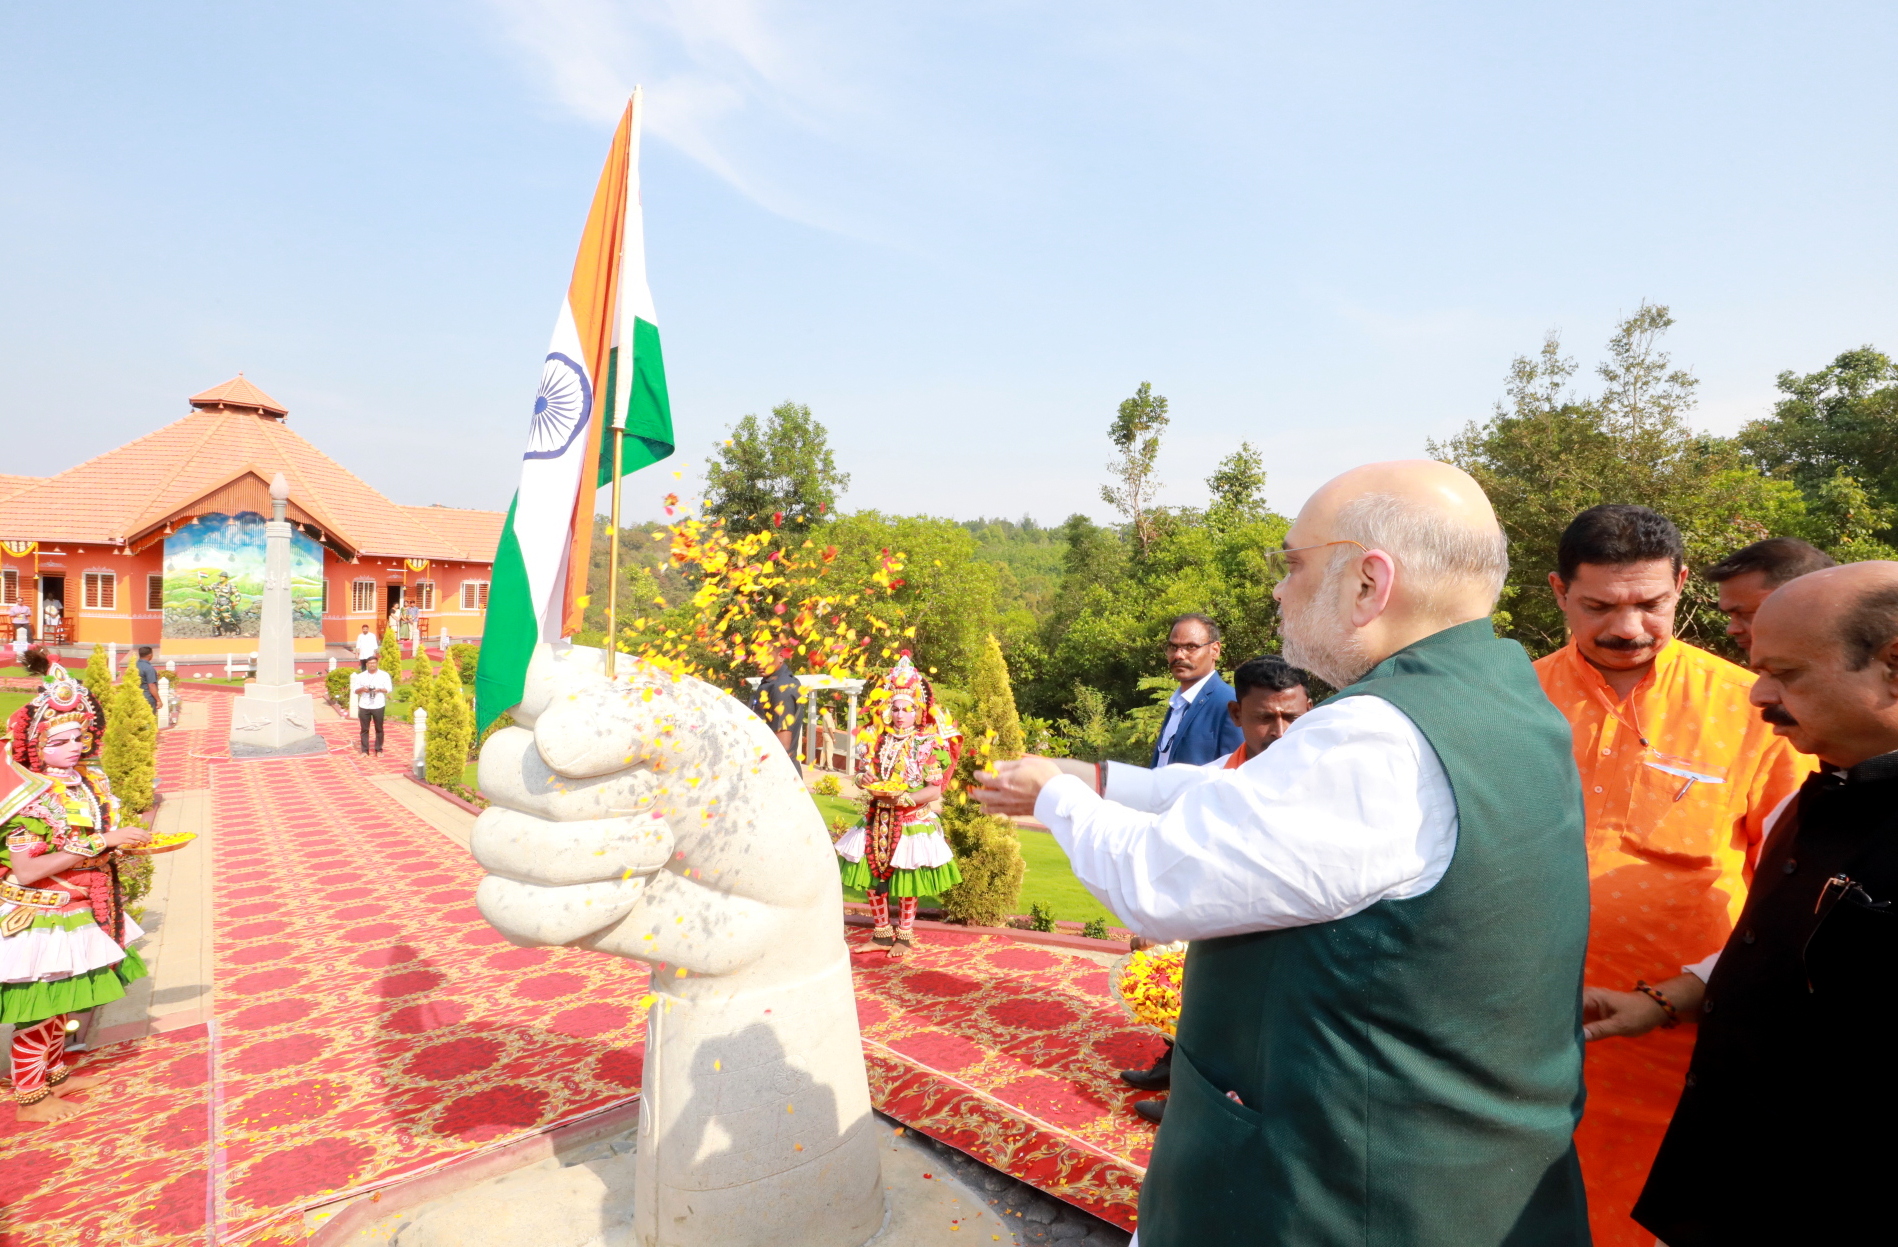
{"type": "Point", "coordinates": [603, 372]}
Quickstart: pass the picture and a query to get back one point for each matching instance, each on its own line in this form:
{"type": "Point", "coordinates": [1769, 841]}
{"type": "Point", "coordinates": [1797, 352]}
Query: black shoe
{"type": "Point", "coordinates": [1157, 1078]}
{"type": "Point", "coordinates": [1152, 1110]}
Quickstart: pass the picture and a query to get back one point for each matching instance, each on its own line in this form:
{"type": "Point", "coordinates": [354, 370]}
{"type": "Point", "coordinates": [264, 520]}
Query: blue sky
{"type": "Point", "coordinates": [960, 232]}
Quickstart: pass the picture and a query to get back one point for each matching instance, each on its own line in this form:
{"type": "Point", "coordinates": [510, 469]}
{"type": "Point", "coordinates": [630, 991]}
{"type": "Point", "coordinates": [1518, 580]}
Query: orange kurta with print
{"type": "Point", "coordinates": [1673, 830]}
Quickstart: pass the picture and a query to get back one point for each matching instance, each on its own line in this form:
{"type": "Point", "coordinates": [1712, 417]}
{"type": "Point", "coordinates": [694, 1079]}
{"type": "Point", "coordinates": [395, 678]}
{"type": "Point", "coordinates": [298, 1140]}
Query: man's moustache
{"type": "Point", "coordinates": [1776, 714]}
{"type": "Point", "coordinates": [1625, 643]}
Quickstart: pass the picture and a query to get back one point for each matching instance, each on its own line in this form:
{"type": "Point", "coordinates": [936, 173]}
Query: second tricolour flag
{"type": "Point", "coordinates": [603, 371]}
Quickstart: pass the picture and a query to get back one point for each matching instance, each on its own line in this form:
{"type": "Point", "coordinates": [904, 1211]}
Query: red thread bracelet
{"type": "Point", "coordinates": [1667, 1006]}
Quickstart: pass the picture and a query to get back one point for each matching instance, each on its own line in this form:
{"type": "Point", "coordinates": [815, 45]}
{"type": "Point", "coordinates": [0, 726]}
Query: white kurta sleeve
{"type": "Point", "coordinates": [1151, 792]}
{"type": "Point", "coordinates": [1348, 808]}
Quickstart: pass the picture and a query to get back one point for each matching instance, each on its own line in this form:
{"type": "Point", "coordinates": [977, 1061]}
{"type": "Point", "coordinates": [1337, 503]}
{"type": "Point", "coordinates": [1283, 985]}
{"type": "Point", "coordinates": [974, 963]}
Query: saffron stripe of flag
{"type": "Point", "coordinates": [541, 564]}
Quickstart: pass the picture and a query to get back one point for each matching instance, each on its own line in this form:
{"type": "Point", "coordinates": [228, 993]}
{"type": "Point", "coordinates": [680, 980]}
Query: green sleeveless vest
{"type": "Point", "coordinates": [1410, 1076]}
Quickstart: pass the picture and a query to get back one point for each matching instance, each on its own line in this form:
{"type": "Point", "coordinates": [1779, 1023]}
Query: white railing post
{"type": "Point", "coordinates": [421, 743]}
{"type": "Point", "coordinates": [112, 659]}
{"type": "Point", "coordinates": [164, 702]}
{"type": "Point", "coordinates": [850, 741]}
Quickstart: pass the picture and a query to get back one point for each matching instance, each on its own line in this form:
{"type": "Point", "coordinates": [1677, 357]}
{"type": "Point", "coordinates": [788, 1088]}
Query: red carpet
{"type": "Point", "coordinates": [372, 1024]}
{"type": "Point", "coordinates": [129, 1170]}
{"type": "Point", "coordinates": [1010, 1053]}
{"type": "Point", "coordinates": [369, 1026]}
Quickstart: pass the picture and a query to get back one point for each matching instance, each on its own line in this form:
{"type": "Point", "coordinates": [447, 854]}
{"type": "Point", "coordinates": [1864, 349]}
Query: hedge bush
{"type": "Point", "coordinates": [336, 683]}
{"type": "Point", "coordinates": [467, 658]}
{"type": "Point", "coordinates": [989, 857]}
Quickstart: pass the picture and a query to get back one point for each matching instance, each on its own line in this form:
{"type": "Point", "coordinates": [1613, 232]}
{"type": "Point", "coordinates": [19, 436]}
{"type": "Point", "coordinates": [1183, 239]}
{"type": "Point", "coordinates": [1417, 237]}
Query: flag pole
{"type": "Point", "coordinates": [612, 568]}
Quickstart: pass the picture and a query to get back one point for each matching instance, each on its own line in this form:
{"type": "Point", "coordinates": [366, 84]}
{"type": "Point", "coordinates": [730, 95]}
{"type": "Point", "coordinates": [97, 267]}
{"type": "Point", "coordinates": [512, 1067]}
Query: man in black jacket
{"type": "Point", "coordinates": [1793, 1058]}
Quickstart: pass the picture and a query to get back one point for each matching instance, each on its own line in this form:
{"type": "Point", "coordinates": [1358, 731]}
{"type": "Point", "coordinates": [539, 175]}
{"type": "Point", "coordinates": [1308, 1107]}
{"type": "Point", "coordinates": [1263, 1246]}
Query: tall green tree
{"type": "Point", "coordinates": [947, 594]}
{"type": "Point", "coordinates": [780, 473]}
{"type": "Point", "coordinates": [1135, 432]}
{"type": "Point", "coordinates": [1237, 487]}
{"type": "Point", "coordinates": [1548, 453]}
{"type": "Point", "coordinates": [1841, 421]}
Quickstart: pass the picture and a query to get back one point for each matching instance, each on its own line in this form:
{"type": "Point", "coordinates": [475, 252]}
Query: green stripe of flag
{"type": "Point", "coordinates": [509, 634]}
{"type": "Point", "coordinates": [646, 415]}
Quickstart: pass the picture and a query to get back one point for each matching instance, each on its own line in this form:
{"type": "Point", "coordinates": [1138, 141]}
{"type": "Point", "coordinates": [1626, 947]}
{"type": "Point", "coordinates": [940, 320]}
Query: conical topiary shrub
{"type": "Point", "coordinates": [98, 678]}
{"type": "Point", "coordinates": [450, 724]}
{"type": "Point", "coordinates": [391, 655]}
{"type": "Point", "coordinates": [130, 753]}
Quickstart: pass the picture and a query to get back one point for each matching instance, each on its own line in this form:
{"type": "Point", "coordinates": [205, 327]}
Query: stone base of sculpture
{"type": "Point", "coordinates": [656, 818]}
{"type": "Point", "coordinates": [274, 721]}
{"type": "Point", "coordinates": [584, 1198]}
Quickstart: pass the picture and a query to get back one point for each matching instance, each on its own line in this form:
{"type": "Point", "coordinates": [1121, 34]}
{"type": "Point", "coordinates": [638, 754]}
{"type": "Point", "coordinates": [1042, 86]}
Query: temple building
{"type": "Point", "coordinates": [160, 542]}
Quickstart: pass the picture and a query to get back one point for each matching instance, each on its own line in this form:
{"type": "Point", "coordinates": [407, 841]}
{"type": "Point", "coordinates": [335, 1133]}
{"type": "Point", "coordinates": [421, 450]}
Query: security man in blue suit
{"type": "Point", "coordinates": [1198, 728]}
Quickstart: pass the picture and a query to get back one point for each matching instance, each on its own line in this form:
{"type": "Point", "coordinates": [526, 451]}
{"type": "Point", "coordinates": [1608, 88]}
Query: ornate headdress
{"type": "Point", "coordinates": [61, 700]}
{"type": "Point", "coordinates": [904, 682]}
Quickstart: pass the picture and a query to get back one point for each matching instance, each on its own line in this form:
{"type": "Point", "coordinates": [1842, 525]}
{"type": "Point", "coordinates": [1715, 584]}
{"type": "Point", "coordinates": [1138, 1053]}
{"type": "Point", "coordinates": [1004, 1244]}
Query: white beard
{"type": "Point", "coordinates": [1320, 637]}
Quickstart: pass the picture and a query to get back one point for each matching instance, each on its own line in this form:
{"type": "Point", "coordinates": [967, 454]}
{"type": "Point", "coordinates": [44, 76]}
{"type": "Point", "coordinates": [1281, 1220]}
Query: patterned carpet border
{"type": "Point", "coordinates": [1011, 1054]}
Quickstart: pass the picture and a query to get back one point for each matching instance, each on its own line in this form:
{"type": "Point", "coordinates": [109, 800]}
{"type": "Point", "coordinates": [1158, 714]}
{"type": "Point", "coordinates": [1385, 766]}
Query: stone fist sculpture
{"type": "Point", "coordinates": [655, 817]}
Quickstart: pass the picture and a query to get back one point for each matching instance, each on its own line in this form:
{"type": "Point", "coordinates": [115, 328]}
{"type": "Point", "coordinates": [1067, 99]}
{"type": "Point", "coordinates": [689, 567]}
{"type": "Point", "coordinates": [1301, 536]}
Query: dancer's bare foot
{"type": "Point", "coordinates": [52, 1108]}
{"type": "Point", "coordinates": [79, 1082]}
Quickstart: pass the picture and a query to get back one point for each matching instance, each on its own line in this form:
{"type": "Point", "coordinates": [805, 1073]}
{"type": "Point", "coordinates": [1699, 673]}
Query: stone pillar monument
{"type": "Point", "coordinates": [275, 717]}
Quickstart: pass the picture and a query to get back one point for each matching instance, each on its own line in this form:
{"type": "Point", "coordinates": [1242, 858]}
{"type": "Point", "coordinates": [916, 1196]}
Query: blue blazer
{"type": "Point", "coordinates": [1207, 732]}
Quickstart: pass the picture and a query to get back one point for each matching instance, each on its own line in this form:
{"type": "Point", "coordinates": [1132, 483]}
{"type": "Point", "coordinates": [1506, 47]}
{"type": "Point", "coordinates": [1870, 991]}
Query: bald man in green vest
{"type": "Point", "coordinates": [1381, 1039]}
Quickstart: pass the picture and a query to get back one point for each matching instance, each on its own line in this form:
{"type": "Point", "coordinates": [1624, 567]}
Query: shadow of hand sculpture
{"type": "Point", "coordinates": [657, 818]}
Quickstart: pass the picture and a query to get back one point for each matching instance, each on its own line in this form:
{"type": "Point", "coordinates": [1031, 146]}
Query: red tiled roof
{"type": "Point", "coordinates": [237, 392]}
{"type": "Point", "coordinates": [11, 485]}
{"type": "Point", "coordinates": [477, 532]}
{"type": "Point", "coordinates": [126, 493]}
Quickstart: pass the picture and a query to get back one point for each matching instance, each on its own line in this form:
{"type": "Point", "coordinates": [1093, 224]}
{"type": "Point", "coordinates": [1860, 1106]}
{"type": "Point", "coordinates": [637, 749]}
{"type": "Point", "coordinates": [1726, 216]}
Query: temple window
{"type": "Point", "coordinates": [102, 591]}
{"type": "Point", "coordinates": [425, 594]}
{"type": "Point", "coordinates": [362, 597]}
{"type": "Point", "coordinates": [155, 593]}
{"type": "Point", "coordinates": [474, 595]}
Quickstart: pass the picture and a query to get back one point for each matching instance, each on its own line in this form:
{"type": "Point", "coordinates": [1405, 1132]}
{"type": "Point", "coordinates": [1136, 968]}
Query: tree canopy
{"type": "Point", "coordinates": [781, 473]}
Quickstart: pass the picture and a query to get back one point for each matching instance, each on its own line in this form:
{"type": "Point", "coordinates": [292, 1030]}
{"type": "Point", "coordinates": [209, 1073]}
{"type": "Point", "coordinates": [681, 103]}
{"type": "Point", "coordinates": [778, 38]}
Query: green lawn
{"type": "Point", "coordinates": [12, 699]}
{"type": "Point", "coordinates": [1050, 880]}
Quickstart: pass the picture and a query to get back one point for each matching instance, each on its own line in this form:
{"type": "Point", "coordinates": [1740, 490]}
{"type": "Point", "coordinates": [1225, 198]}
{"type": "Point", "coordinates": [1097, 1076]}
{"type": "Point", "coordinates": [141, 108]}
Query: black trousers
{"type": "Point", "coordinates": [362, 664]}
{"type": "Point", "coordinates": [367, 717]}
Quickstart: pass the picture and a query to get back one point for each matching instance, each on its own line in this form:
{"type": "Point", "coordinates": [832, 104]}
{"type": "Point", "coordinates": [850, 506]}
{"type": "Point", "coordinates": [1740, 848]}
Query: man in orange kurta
{"type": "Point", "coordinates": [1679, 779]}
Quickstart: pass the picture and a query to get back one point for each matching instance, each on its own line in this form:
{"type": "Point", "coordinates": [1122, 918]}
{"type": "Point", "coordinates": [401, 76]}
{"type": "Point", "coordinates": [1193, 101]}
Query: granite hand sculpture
{"type": "Point", "coordinates": [655, 817]}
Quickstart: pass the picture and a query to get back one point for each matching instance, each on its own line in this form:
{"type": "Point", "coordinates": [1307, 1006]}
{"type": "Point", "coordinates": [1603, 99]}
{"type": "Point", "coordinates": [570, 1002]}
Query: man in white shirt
{"type": "Point", "coordinates": [366, 647]}
{"type": "Point", "coordinates": [1380, 1032]}
{"type": "Point", "coordinates": [371, 687]}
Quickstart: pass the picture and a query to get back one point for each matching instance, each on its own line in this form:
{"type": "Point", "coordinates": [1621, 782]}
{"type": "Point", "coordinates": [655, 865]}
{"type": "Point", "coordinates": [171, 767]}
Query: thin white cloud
{"type": "Point", "coordinates": [725, 80]}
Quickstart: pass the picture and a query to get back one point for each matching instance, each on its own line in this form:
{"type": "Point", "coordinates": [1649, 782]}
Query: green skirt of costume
{"type": "Point", "coordinates": [933, 881]}
{"type": "Point", "coordinates": [25, 1003]}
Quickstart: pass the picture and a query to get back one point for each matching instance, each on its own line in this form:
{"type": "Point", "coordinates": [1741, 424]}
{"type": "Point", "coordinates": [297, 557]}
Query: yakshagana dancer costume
{"type": "Point", "coordinates": [63, 941]}
{"type": "Point", "coordinates": [899, 849]}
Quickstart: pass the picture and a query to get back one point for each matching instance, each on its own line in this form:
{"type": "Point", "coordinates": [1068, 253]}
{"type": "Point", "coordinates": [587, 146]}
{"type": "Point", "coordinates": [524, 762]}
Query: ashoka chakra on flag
{"type": "Point", "coordinates": [560, 409]}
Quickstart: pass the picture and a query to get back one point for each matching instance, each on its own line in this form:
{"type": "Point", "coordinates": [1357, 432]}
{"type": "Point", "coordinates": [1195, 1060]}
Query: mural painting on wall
{"type": "Point", "coordinates": [214, 578]}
